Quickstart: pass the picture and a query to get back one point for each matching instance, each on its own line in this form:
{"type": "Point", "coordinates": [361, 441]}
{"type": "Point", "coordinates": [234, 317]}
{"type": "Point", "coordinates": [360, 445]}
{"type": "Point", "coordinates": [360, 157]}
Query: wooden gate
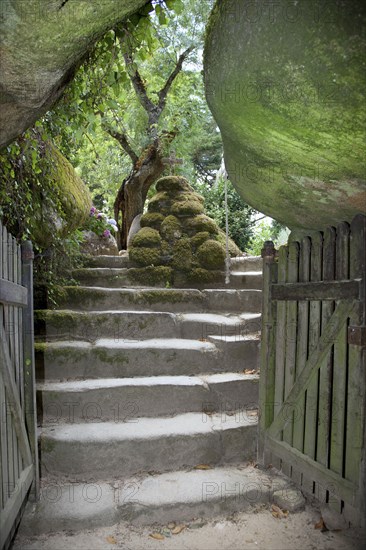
{"type": "Point", "coordinates": [313, 375]}
{"type": "Point", "coordinates": [18, 451]}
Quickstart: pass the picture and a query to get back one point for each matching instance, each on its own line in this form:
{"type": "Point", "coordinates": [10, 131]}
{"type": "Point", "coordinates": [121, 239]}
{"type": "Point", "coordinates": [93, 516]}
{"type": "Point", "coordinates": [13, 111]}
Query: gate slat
{"type": "Point", "coordinates": [302, 343]}
{"type": "Point", "coordinates": [356, 367]}
{"type": "Point", "coordinates": [12, 351]}
{"type": "Point", "coordinates": [314, 333]}
{"type": "Point", "coordinates": [280, 340]}
{"type": "Point", "coordinates": [4, 458]}
{"type": "Point", "coordinates": [326, 368]}
{"type": "Point", "coordinates": [291, 329]}
{"type": "Point", "coordinates": [340, 361]}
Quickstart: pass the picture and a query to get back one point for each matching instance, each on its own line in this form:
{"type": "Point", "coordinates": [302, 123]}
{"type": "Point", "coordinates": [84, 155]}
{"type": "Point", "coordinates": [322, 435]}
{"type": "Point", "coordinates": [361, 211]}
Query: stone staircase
{"type": "Point", "coordinates": [148, 401]}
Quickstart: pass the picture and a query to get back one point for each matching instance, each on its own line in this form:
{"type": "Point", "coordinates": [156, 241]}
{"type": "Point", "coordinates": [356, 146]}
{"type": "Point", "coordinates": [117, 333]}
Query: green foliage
{"type": "Point", "coordinates": [264, 232]}
{"type": "Point", "coordinates": [42, 200]}
{"type": "Point", "coordinates": [211, 255]}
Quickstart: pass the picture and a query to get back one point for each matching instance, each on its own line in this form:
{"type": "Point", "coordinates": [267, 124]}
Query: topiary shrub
{"type": "Point", "coordinates": [211, 255]}
{"type": "Point", "coordinates": [147, 237]}
{"type": "Point", "coordinates": [182, 255]}
{"type": "Point", "coordinates": [151, 275]}
{"type": "Point", "coordinates": [152, 219]}
{"type": "Point", "coordinates": [234, 250]}
{"type": "Point", "coordinates": [201, 275]}
{"type": "Point", "coordinates": [171, 229]}
{"type": "Point", "coordinates": [201, 223]}
{"type": "Point", "coordinates": [173, 185]}
{"type": "Point", "coordinates": [145, 256]}
{"type": "Point", "coordinates": [199, 239]}
{"type": "Point", "coordinates": [187, 206]}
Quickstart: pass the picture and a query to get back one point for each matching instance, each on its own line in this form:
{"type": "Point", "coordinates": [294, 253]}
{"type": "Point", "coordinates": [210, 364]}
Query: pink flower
{"type": "Point", "coordinates": [93, 210]}
{"type": "Point", "coordinates": [106, 233]}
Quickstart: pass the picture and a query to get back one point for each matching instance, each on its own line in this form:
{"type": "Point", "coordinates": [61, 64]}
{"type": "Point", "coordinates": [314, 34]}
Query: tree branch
{"type": "Point", "coordinates": [165, 90]}
{"type": "Point", "coordinates": [123, 141]}
{"type": "Point", "coordinates": [138, 84]}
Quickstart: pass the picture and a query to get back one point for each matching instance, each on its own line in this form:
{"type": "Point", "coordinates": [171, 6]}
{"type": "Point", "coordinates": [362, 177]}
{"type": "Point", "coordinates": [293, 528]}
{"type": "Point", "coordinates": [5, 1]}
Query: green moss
{"type": "Point", "coordinates": [211, 255]}
{"type": "Point", "coordinates": [145, 256]}
{"type": "Point", "coordinates": [147, 237]}
{"type": "Point", "coordinates": [160, 275]}
{"type": "Point", "coordinates": [199, 239]}
{"type": "Point", "coordinates": [201, 223]}
{"type": "Point", "coordinates": [173, 185]}
{"type": "Point", "coordinates": [171, 229]}
{"type": "Point", "coordinates": [108, 358]}
{"type": "Point", "coordinates": [152, 219]}
{"type": "Point", "coordinates": [47, 445]}
{"type": "Point", "coordinates": [234, 250]}
{"type": "Point", "coordinates": [200, 275]}
{"type": "Point", "coordinates": [187, 205]}
{"type": "Point", "coordinates": [161, 203]}
{"type": "Point", "coordinates": [182, 255]}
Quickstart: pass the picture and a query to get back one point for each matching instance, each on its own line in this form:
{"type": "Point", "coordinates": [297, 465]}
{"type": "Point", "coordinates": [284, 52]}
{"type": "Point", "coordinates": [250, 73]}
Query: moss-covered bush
{"type": "Point", "coordinates": [211, 254]}
{"type": "Point", "coordinates": [147, 237]}
{"type": "Point", "coordinates": [182, 255]}
{"type": "Point", "coordinates": [178, 236]}
{"type": "Point", "coordinates": [145, 256]}
{"type": "Point", "coordinates": [152, 219]}
{"type": "Point", "coordinates": [171, 229]}
{"type": "Point", "coordinates": [160, 275]}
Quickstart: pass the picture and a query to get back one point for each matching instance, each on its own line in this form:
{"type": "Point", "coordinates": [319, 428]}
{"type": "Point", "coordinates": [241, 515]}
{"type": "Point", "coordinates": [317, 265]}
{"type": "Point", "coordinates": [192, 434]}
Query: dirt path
{"type": "Point", "coordinates": [246, 531]}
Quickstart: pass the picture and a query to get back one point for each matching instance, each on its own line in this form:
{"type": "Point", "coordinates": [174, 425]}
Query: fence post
{"type": "Point", "coordinates": [267, 369]}
{"type": "Point", "coordinates": [29, 361]}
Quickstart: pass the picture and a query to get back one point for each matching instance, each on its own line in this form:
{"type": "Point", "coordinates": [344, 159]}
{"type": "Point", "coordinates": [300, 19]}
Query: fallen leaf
{"type": "Point", "coordinates": [178, 529]}
{"type": "Point", "coordinates": [252, 413]}
{"type": "Point", "coordinates": [111, 540]}
{"type": "Point", "coordinates": [249, 371]}
{"type": "Point", "coordinates": [157, 536]}
{"type": "Point", "coordinates": [278, 513]}
{"type": "Point", "coordinates": [171, 525]}
{"type": "Point", "coordinates": [203, 340]}
{"type": "Point", "coordinates": [203, 467]}
{"type": "Point", "coordinates": [320, 524]}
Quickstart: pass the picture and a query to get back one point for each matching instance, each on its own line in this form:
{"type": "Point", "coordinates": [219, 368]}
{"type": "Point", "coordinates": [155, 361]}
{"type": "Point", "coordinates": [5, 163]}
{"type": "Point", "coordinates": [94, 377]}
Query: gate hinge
{"type": "Point", "coordinates": [357, 335]}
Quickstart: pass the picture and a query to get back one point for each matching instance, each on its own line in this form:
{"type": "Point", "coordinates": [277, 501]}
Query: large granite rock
{"type": "Point", "coordinates": [42, 44]}
{"type": "Point", "coordinates": [285, 81]}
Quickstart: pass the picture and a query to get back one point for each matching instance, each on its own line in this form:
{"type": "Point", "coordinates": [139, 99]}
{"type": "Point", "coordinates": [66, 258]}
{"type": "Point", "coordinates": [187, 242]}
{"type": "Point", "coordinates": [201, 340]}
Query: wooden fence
{"type": "Point", "coordinates": [313, 373]}
{"type": "Point", "coordinates": [18, 452]}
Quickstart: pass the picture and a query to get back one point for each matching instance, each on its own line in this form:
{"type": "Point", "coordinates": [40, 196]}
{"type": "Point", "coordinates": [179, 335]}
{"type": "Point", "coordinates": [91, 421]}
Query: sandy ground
{"type": "Point", "coordinates": [255, 530]}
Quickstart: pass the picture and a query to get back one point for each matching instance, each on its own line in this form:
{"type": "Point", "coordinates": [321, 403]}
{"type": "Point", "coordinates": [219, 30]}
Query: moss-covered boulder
{"type": "Point", "coordinates": [43, 44]}
{"type": "Point", "coordinates": [285, 82]}
{"type": "Point", "coordinates": [211, 254]}
{"type": "Point", "coordinates": [178, 244]}
{"type": "Point", "coordinates": [146, 237]}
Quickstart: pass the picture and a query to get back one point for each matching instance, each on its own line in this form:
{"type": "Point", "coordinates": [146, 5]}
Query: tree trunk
{"type": "Point", "coordinates": [132, 194]}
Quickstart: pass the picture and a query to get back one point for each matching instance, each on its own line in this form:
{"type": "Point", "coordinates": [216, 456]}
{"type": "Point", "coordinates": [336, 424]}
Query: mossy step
{"type": "Point", "coordinates": [112, 450]}
{"type": "Point", "coordinates": [110, 358]}
{"type": "Point", "coordinates": [102, 277]}
{"type": "Point", "coordinates": [92, 325]}
{"type": "Point", "coordinates": [153, 299]}
{"type": "Point", "coordinates": [107, 261]}
{"type": "Point", "coordinates": [108, 399]}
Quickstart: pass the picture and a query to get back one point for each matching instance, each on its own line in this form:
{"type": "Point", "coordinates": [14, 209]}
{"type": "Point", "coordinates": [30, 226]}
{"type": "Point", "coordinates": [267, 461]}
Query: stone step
{"type": "Point", "coordinates": [246, 280]}
{"type": "Point", "coordinates": [151, 499]}
{"type": "Point", "coordinates": [246, 263]}
{"type": "Point", "coordinates": [93, 325]}
{"type": "Point", "coordinates": [127, 326]}
{"type": "Point", "coordinates": [156, 299]}
{"type": "Point", "coordinates": [107, 261]}
{"type": "Point", "coordinates": [85, 452]}
{"type": "Point", "coordinates": [241, 263]}
{"type": "Point", "coordinates": [110, 399]}
{"type": "Point", "coordinates": [119, 277]}
{"type": "Point", "coordinates": [107, 358]}
{"type": "Point", "coordinates": [103, 277]}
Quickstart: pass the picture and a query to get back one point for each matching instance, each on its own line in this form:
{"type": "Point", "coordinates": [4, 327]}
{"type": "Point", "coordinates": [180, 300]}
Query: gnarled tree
{"type": "Point", "coordinates": [148, 164]}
